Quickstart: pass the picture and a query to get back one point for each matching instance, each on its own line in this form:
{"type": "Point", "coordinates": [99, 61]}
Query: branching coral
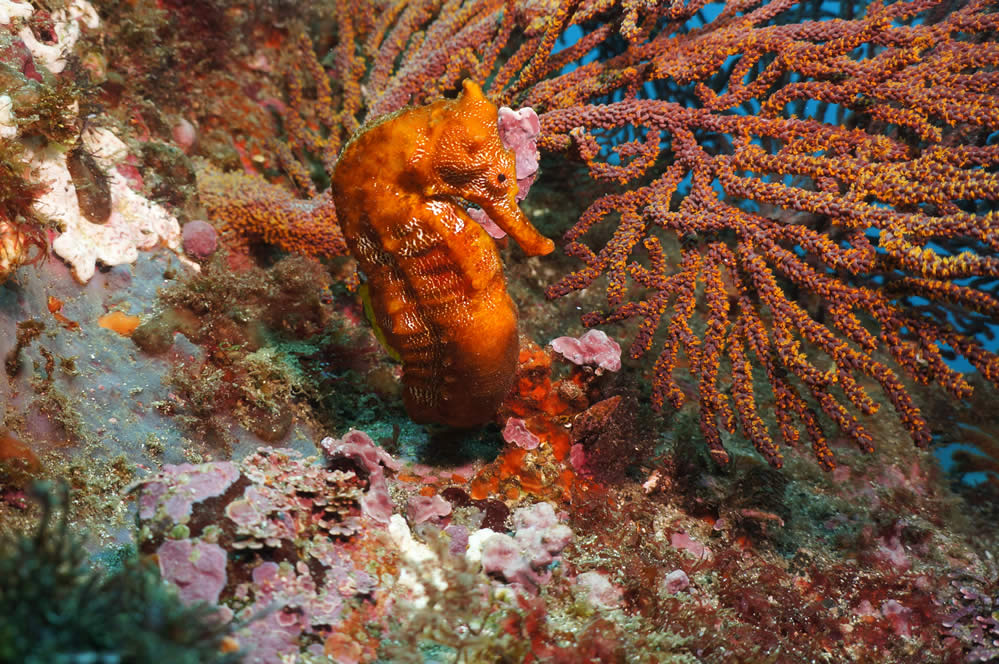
{"type": "Point", "coordinates": [252, 207]}
{"type": "Point", "coordinates": [787, 191]}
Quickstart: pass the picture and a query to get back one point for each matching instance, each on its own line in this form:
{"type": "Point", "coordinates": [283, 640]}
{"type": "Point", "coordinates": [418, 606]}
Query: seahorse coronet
{"type": "Point", "coordinates": [435, 280]}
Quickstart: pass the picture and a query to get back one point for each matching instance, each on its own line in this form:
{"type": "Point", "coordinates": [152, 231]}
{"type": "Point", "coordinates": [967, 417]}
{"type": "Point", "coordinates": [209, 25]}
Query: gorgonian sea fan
{"type": "Point", "coordinates": [807, 193]}
{"type": "Point", "coordinates": [845, 160]}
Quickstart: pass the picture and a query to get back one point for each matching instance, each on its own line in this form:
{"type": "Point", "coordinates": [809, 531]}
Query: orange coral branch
{"type": "Point", "coordinates": [252, 207]}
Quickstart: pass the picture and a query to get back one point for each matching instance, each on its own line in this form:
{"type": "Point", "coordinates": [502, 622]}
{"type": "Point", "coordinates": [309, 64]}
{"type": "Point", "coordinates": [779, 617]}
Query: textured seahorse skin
{"type": "Point", "coordinates": [435, 278]}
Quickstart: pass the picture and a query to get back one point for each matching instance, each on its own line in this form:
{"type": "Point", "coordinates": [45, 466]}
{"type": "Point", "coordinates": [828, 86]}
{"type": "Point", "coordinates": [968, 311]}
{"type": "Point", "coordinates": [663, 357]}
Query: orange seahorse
{"type": "Point", "coordinates": [435, 279]}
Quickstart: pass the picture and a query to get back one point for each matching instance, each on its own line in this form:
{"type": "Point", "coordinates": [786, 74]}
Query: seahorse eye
{"type": "Point", "coordinates": [501, 178]}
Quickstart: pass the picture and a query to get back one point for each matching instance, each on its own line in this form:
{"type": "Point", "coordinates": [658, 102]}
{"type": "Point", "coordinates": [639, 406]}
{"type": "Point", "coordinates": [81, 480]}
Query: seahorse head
{"type": "Point", "coordinates": [469, 161]}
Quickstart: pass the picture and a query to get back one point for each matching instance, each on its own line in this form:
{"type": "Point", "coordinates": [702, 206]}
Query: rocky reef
{"type": "Point", "coordinates": [205, 450]}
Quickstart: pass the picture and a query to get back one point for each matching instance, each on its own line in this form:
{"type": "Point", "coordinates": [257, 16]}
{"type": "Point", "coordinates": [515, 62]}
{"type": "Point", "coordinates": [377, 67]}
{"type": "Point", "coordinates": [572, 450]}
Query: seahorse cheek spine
{"type": "Point", "coordinates": [434, 276]}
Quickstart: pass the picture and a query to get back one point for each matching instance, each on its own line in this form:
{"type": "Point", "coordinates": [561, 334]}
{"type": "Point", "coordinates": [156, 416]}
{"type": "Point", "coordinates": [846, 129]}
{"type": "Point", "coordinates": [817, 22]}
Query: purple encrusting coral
{"type": "Point", "coordinates": [174, 491]}
{"type": "Point", "coordinates": [196, 567]}
{"type": "Point", "coordinates": [358, 447]}
{"type": "Point", "coordinates": [294, 525]}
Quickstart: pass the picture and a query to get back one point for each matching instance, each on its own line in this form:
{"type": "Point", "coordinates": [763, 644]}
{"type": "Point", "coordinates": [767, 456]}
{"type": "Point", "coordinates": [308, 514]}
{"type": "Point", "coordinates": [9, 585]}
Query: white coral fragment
{"type": "Point", "coordinates": [8, 127]}
{"type": "Point", "coordinates": [135, 222]}
{"type": "Point", "coordinates": [418, 556]}
{"type": "Point", "coordinates": [11, 9]}
{"type": "Point", "coordinates": [66, 27]}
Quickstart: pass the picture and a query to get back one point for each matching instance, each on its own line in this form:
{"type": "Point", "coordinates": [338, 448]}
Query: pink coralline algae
{"type": "Point", "coordinates": [899, 615]}
{"type": "Point", "coordinates": [675, 582]}
{"type": "Point", "coordinates": [200, 239]}
{"type": "Point", "coordinates": [459, 539]}
{"type": "Point", "coordinates": [891, 551]}
{"type": "Point", "coordinates": [196, 567]}
{"type": "Point", "coordinates": [974, 619]}
{"type": "Point", "coordinates": [600, 592]}
{"type": "Point", "coordinates": [291, 498]}
{"type": "Point", "coordinates": [276, 496]}
{"type": "Point", "coordinates": [421, 509]}
{"type": "Point", "coordinates": [577, 457]}
{"type": "Point", "coordinates": [685, 542]}
{"type": "Point", "coordinates": [540, 518]}
{"type": "Point", "coordinates": [519, 131]}
{"type": "Point", "coordinates": [516, 432]}
{"type": "Point", "coordinates": [173, 491]}
{"type": "Point", "coordinates": [288, 523]}
{"type": "Point", "coordinates": [525, 557]}
{"type": "Point", "coordinates": [594, 347]}
{"type": "Point", "coordinates": [295, 605]}
{"type": "Point", "coordinates": [358, 447]}
{"type": "Point", "coordinates": [184, 134]}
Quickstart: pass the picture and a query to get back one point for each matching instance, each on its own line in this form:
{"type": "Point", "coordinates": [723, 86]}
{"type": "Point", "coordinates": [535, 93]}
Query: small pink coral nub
{"type": "Point", "coordinates": [594, 347]}
{"type": "Point", "coordinates": [200, 239]}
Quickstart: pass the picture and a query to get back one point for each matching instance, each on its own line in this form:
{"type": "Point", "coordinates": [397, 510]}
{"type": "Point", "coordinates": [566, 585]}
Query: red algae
{"type": "Point", "coordinates": [17, 454]}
